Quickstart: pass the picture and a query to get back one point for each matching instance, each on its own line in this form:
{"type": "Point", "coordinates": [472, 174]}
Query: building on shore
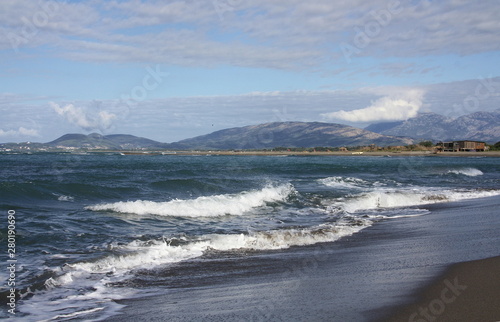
{"type": "Point", "coordinates": [460, 146]}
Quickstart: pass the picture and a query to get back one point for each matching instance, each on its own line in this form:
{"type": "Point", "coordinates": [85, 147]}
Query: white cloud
{"type": "Point", "coordinates": [106, 118]}
{"type": "Point", "coordinates": [27, 132]}
{"type": "Point", "coordinates": [175, 118]}
{"type": "Point", "coordinates": [276, 34]}
{"type": "Point", "coordinates": [394, 107]}
{"type": "Point", "coordinates": [19, 132]}
{"type": "Point", "coordinates": [85, 118]}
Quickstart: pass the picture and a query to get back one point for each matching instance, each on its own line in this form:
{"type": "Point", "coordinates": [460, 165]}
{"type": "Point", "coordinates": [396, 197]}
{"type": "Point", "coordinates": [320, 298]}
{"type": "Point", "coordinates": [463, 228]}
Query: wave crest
{"type": "Point", "coordinates": [390, 198]}
{"type": "Point", "coordinates": [146, 255]}
{"type": "Point", "coordinates": [207, 206]}
{"type": "Point", "coordinates": [470, 172]}
{"type": "Point", "coordinates": [344, 182]}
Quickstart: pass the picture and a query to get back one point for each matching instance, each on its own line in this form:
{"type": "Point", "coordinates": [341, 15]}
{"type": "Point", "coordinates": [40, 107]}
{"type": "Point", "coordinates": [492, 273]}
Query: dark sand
{"type": "Point", "coordinates": [467, 291]}
{"type": "Point", "coordinates": [365, 277]}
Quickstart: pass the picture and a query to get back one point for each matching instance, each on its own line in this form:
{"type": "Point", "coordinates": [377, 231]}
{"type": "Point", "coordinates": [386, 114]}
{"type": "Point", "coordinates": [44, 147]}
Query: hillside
{"type": "Point", "coordinates": [287, 134]}
{"type": "Point", "coordinates": [109, 142]}
{"type": "Point", "coordinates": [482, 126]}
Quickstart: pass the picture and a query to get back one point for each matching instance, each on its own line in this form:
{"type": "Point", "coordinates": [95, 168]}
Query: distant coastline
{"type": "Point", "coordinates": [275, 137]}
{"type": "Point", "coordinates": [331, 153]}
{"type": "Point", "coordinates": [274, 153]}
{"type": "Point", "coordinates": [285, 138]}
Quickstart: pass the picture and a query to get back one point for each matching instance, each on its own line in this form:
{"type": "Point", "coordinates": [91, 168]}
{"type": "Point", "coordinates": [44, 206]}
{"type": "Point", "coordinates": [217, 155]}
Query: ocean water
{"type": "Point", "coordinates": [97, 228]}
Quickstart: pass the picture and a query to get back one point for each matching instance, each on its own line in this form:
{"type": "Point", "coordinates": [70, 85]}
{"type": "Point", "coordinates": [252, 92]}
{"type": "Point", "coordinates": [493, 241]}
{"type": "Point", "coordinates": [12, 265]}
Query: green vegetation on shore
{"type": "Point", "coordinates": [494, 147]}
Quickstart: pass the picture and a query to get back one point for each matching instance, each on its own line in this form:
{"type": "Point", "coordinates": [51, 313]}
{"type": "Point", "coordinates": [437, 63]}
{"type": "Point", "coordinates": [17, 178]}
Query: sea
{"type": "Point", "coordinates": [91, 230]}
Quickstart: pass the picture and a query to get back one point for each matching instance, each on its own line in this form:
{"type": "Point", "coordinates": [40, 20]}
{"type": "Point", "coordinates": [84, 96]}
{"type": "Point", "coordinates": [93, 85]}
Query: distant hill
{"type": "Point", "coordinates": [481, 126]}
{"type": "Point", "coordinates": [381, 127]}
{"type": "Point", "coordinates": [287, 134]}
{"type": "Point", "coordinates": [262, 136]}
{"type": "Point", "coordinates": [108, 142]}
{"type": "Point", "coordinates": [484, 126]}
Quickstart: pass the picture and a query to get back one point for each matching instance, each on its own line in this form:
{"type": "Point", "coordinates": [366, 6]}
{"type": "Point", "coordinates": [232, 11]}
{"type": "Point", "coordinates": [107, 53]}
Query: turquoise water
{"type": "Point", "coordinates": [93, 229]}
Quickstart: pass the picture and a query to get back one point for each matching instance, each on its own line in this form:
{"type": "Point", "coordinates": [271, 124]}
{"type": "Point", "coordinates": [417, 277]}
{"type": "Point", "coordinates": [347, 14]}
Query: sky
{"type": "Point", "coordinates": [174, 69]}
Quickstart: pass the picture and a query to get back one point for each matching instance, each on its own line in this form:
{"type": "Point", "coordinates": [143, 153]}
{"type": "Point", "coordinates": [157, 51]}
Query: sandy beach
{"type": "Point", "coordinates": [370, 276]}
{"type": "Point", "coordinates": [468, 291]}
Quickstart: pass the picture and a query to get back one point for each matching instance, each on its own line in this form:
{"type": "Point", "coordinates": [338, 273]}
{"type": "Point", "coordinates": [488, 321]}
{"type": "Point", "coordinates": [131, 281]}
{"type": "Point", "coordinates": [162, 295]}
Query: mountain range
{"type": "Point", "coordinates": [107, 142]}
{"type": "Point", "coordinates": [288, 134]}
{"type": "Point", "coordinates": [262, 136]}
{"type": "Point", "coordinates": [480, 126]}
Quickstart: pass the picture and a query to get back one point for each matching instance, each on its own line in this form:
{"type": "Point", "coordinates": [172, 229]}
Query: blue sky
{"type": "Point", "coordinates": [170, 70]}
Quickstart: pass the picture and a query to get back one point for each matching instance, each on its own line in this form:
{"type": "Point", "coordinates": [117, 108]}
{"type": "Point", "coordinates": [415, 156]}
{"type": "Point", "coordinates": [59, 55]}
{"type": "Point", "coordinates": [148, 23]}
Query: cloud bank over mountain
{"type": "Point", "coordinates": [86, 119]}
{"type": "Point", "coordinates": [398, 107]}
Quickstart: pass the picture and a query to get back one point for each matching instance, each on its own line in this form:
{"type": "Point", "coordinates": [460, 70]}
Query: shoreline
{"type": "Point", "coordinates": [305, 153]}
{"type": "Point", "coordinates": [368, 276]}
{"type": "Point", "coordinates": [467, 291]}
{"type": "Point", "coordinates": [269, 153]}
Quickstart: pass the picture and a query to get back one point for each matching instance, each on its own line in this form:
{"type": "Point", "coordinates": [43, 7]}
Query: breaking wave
{"type": "Point", "coordinates": [392, 198]}
{"type": "Point", "coordinates": [93, 278]}
{"type": "Point", "coordinates": [207, 206]}
{"type": "Point", "coordinates": [149, 254]}
{"type": "Point", "coordinates": [470, 172]}
{"type": "Point", "coordinates": [97, 275]}
{"type": "Point", "coordinates": [344, 182]}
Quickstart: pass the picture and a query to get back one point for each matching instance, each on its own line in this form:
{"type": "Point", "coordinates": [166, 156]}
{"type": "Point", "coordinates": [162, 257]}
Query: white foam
{"type": "Point", "coordinates": [59, 256]}
{"type": "Point", "coordinates": [76, 314]}
{"type": "Point", "coordinates": [207, 206]}
{"type": "Point", "coordinates": [89, 299]}
{"type": "Point", "coordinates": [398, 213]}
{"type": "Point", "coordinates": [352, 183]}
{"type": "Point", "coordinates": [96, 276]}
{"type": "Point", "coordinates": [144, 255]}
{"type": "Point", "coordinates": [470, 172]}
{"type": "Point", "coordinates": [64, 198]}
{"type": "Point", "coordinates": [344, 182]}
{"type": "Point", "coordinates": [390, 198]}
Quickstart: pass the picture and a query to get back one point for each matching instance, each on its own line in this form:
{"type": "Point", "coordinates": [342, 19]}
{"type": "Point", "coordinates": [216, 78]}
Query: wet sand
{"type": "Point", "coordinates": [369, 276]}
